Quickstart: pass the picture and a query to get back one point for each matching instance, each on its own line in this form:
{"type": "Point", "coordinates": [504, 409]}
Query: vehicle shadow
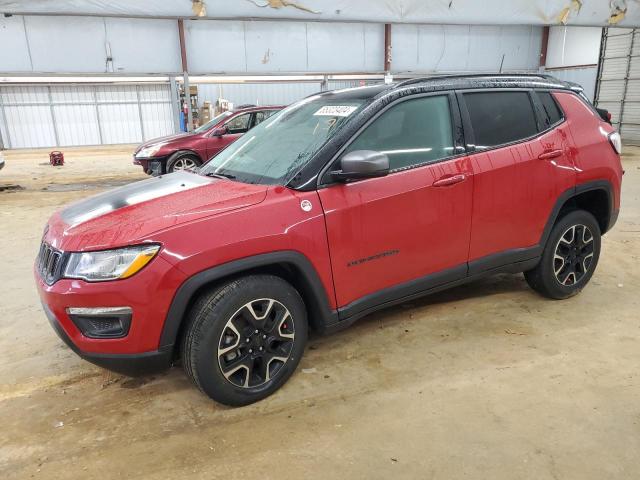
{"type": "Point", "coordinates": [499, 284]}
{"type": "Point", "coordinates": [173, 383]}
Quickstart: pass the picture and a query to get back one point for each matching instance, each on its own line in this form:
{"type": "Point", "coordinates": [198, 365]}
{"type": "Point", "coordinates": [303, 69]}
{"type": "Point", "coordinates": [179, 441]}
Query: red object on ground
{"type": "Point", "coordinates": [56, 158]}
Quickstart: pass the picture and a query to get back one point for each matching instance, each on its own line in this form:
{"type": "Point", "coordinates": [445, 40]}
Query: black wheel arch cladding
{"type": "Point", "coordinates": [308, 285]}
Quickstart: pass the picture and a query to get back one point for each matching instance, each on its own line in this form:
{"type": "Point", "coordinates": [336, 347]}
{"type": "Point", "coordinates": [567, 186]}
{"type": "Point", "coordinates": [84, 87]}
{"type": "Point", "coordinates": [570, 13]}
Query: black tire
{"type": "Point", "coordinates": [175, 161]}
{"type": "Point", "coordinates": [574, 261]}
{"type": "Point", "coordinates": [208, 334]}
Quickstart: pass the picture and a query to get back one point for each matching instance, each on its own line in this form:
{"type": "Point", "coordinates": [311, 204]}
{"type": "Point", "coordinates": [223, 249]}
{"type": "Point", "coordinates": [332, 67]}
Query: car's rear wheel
{"type": "Point", "coordinates": [245, 339]}
{"type": "Point", "coordinates": [569, 257]}
{"type": "Point", "coordinates": [182, 161]}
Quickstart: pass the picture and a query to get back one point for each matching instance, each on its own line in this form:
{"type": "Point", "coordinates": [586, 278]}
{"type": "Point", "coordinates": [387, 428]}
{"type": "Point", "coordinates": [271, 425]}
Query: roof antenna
{"type": "Point", "coordinates": [501, 63]}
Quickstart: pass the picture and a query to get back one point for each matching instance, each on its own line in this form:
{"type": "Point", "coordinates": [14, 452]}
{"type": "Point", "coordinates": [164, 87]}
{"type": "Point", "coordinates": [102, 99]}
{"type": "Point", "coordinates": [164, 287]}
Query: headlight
{"type": "Point", "coordinates": [148, 152]}
{"type": "Point", "coordinates": [109, 264]}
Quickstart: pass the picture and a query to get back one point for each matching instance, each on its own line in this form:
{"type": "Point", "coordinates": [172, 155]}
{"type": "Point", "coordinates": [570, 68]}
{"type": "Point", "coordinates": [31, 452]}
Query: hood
{"type": "Point", "coordinates": [132, 213]}
{"type": "Point", "coordinates": [166, 139]}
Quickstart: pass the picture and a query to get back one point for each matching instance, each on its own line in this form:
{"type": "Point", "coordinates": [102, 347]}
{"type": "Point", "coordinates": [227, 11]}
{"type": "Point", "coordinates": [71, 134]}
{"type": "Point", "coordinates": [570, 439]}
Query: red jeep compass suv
{"type": "Point", "coordinates": [187, 151]}
{"type": "Point", "coordinates": [341, 204]}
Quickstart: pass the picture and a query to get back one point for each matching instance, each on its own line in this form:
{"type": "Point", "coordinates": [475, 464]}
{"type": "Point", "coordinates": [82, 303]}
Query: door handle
{"type": "Point", "coordinates": [452, 180]}
{"type": "Point", "coordinates": [549, 154]}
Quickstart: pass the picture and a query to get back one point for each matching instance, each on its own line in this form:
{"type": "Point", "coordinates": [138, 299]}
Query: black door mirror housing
{"type": "Point", "coordinates": [220, 131]}
{"type": "Point", "coordinates": [361, 164]}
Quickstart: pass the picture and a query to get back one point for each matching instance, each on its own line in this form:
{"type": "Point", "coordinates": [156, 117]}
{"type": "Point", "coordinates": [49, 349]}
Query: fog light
{"type": "Point", "coordinates": [101, 322]}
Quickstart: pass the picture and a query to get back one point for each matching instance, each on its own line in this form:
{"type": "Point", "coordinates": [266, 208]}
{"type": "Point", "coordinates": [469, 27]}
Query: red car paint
{"type": "Point", "coordinates": [220, 210]}
{"type": "Point", "coordinates": [354, 211]}
{"type": "Point", "coordinates": [470, 207]}
{"type": "Point", "coordinates": [203, 144]}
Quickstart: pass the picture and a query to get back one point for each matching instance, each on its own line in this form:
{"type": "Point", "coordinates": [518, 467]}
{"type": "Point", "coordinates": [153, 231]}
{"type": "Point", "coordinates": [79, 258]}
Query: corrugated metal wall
{"type": "Point", "coordinates": [68, 115]}
{"type": "Point", "coordinates": [265, 47]}
{"type": "Point", "coordinates": [258, 47]}
{"type": "Point", "coordinates": [465, 48]}
{"type": "Point", "coordinates": [86, 115]}
{"type": "Point", "coordinates": [257, 93]}
{"type": "Point", "coordinates": [573, 55]}
{"type": "Point", "coordinates": [282, 93]}
{"type": "Point", "coordinates": [59, 44]}
{"type": "Point", "coordinates": [28, 116]}
{"type": "Point", "coordinates": [52, 44]}
{"type": "Point", "coordinates": [618, 88]}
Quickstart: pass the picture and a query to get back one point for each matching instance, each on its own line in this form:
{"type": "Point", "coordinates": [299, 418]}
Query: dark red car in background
{"type": "Point", "coordinates": [186, 151]}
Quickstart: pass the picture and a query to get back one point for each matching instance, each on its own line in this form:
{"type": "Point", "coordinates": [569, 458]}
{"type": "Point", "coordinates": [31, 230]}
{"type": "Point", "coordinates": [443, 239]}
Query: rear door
{"type": "Point", "coordinates": [521, 165]}
{"type": "Point", "coordinates": [399, 234]}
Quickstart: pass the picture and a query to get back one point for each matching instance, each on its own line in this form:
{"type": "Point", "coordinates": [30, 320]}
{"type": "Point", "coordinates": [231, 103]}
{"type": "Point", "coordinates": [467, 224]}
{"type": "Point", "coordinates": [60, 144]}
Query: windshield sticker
{"type": "Point", "coordinates": [336, 110]}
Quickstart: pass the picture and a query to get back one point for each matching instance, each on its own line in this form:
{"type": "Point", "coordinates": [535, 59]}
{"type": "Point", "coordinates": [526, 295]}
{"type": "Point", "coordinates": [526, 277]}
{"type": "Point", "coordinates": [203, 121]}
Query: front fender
{"type": "Point", "coordinates": [310, 287]}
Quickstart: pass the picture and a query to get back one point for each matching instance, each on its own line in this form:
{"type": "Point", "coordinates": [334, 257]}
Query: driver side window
{"type": "Point", "coordinates": [411, 133]}
{"type": "Point", "coordinates": [239, 124]}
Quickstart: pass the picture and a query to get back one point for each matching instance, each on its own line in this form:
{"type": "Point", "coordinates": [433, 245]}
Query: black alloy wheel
{"type": "Point", "coordinates": [573, 255]}
{"type": "Point", "coordinates": [256, 342]}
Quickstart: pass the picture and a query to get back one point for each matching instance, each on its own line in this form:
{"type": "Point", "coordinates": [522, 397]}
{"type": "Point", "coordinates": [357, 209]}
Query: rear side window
{"type": "Point", "coordinates": [411, 133]}
{"type": "Point", "coordinates": [551, 114]}
{"type": "Point", "coordinates": [500, 117]}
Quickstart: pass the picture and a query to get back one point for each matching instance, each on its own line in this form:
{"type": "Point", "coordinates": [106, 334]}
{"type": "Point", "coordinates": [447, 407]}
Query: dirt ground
{"type": "Point", "coordinates": [486, 381]}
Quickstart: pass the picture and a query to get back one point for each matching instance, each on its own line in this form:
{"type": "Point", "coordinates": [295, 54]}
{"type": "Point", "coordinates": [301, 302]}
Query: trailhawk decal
{"type": "Point", "coordinates": [377, 256]}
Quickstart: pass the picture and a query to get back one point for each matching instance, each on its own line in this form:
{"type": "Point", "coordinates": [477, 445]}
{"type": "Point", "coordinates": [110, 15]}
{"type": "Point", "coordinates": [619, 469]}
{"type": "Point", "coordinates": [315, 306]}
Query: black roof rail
{"type": "Point", "coordinates": [411, 81]}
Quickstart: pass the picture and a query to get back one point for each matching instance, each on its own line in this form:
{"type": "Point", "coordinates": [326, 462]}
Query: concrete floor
{"type": "Point", "coordinates": [486, 381]}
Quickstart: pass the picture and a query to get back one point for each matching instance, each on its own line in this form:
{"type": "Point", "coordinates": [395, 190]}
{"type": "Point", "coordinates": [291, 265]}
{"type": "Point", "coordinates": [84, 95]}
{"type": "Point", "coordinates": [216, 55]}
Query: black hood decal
{"type": "Point", "coordinates": [131, 194]}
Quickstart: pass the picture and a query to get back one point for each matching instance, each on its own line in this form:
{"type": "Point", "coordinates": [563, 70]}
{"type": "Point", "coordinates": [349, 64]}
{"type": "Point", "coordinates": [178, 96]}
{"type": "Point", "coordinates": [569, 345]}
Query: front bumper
{"type": "Point", "coordinates": [148, 294]}
{"type": "Point", "coordinates": [151, 166]}
{"type": "Point", "coordinates": [133, 364]}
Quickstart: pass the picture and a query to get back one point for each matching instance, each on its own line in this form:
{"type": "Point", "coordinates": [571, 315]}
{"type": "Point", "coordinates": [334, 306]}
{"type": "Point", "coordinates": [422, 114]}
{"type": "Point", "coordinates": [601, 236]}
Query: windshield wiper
{"type": "Point", "coordinates": [220, 175]}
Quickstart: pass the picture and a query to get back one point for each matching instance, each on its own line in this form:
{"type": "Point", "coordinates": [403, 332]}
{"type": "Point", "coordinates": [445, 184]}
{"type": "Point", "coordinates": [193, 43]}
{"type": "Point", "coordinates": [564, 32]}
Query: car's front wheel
{"type": "Point", "coordinates": [245, 339]}
{"type": "Point", "coordinates": [569, 257]}
{"type": "Point", "coordinates": [182, 161]}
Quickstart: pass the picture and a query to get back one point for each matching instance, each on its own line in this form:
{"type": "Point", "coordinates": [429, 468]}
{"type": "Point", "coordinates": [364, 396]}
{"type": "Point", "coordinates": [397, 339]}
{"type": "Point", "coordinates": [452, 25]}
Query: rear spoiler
{"type": "Point", "coordinates": [604, 114]}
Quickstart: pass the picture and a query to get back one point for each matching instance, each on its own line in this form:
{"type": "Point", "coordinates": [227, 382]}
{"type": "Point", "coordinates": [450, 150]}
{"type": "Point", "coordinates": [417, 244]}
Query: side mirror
{"type": "Point", "coordinates": [361, 164]}
{"type": "Point", "coordinates": [220, 131]}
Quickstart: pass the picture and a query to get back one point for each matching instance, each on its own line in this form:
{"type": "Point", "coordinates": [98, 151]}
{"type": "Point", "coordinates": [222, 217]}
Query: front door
{"type": "Point", "coordinates": [236, 127]}
{"type": "Point", "coordinates": [396, 235]}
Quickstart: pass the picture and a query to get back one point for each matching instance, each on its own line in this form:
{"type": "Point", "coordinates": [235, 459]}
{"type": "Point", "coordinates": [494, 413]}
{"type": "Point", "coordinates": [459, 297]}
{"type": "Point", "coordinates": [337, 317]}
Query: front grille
{"type": "Point", "coordinates": [49, 263]}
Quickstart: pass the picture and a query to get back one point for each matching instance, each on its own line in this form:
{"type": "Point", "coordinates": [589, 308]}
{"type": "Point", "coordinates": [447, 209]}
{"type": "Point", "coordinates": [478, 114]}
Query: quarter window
{"type": "Point", "coordinates": [498, 118]}
{"type": "Point", "coordinates": [550, 112]}
{"type": "Point", "coordinates": [411, 133]}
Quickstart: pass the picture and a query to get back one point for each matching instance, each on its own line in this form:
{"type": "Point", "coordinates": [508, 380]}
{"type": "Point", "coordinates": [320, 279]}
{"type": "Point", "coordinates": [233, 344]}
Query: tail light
{"type": "Point", "coordinates": [616, 142]}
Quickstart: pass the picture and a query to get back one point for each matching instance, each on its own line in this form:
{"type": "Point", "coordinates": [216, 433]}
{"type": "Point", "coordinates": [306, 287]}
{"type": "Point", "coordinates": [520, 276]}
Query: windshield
{"type": "Point", "coordinates": [274, 151]}
{"type": "Point", "coordinates": [212, 122]}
